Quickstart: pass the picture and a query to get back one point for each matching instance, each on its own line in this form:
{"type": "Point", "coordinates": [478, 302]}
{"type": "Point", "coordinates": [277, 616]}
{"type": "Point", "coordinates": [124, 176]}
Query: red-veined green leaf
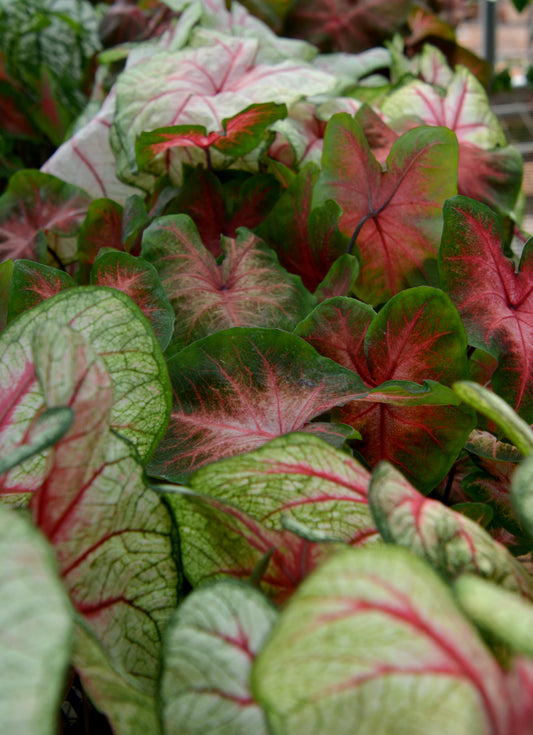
{"type": "Point", "coordinates": [452, 543]}
{"type": "Point", "coordinates": [220, 540]}
{"type": "Point", "coordinates": [373, 641]}
{"type": "Point", "coordinates": [210, 646]}
{"type": "Point", "coordinates": [32, 283]}
{"type": "Point", "coordinates": [300, 477]}
{"type": "Point", "coordinates": [112, 536]}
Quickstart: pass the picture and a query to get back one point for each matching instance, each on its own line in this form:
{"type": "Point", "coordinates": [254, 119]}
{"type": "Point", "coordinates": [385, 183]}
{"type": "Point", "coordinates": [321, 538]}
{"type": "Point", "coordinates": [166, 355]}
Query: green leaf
{"type": "Point", "coordinates": [295, 477]}
{"type": "Point", "coordinates": [6, 272]}
{"type": "Point", "coordinates": [522, 493]}
{"type": "Point", "coordinates": [35, 630]}
{"type": "Point", "coordinates": [47, 429]}
{"type": "Point", "coordinates": [209, 649]}
{"type": "Point", "coordinates": [451, 542]}
{"type": "Point", "coordinates": [129, 709]}
{"type": "Point", "coordinates": [340, 279]}
{"type": "Point", "coordinates": [373, 642]}
{"type": "Point", "coordinates": [497, 611]}
{"type": "Point", "coordinates": [499, 411]}
{"type": "Point", "coordinates": [121, 335]}
{"type": "Point", "coordinates": [34, 282]}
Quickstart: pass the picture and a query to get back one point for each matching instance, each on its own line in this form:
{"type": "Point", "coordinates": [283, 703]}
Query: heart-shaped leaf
{"type": "Point", "coordinates": [219, 539]}
{"type": "Point", "coordinates": [37, 212]}
{"type": "Point", "coordinates": [238, 388]}
{"type": "Point", "coordinates": [308, 241]}
{"type": "Point", "coordinates": [300, 477]}
{"type": "Point", "coordinates": [138, 279]}
{"type": "Point", "coordinates": [239, 136]}
{"type": "Point", "coordinates": [208, 82]}
{"type": "Point", "coordinates": [247, 288]}
{"type": "Point", "coordinates": [128, 707]}
{"type": "Point", "coordinates": [374, 642]}
{"type": "Point", "coordinates": [210, 646]}
{"type": "Point", "coordinates": [451, 542]}
{"type": "Point", "coordinates": [36, 630]}
{"type": "Point", "coordinates": [398, 241]}
{"type": "Point", "coordinates": [121, 335]}
{"type": "Point", "coordinates": [424, 342]}
{"type": "Point", "coordinates": [494, 301]}
{"type": "Point", "coordinates": [112, 536]}
{"type": "Point", "coordinates": [32, 283]}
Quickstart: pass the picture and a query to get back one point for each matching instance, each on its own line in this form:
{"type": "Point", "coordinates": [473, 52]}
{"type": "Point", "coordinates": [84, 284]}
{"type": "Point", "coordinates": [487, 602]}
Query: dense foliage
{"type": "Point", "coordinates": [266, 377]}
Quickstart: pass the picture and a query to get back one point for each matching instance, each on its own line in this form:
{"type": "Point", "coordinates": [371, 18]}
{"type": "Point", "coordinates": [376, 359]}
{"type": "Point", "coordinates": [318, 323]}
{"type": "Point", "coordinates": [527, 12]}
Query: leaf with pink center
{"type": "Point", "coordinates": [239, 135]}
{"type": "Point", "coordinates": [344, 25]}
{"type": "Point", "coordinates": [210, 646]}
{"type": "Point", "coordinates": [373, 641]}
{"type": "Point", "coordinates": [492, 177]}
{"type": "Point", "coordinates": [220, 540]}
{"type": "Point", "coordinates": [138, 279]}
{"type": "Point", "coordinates": [202, 85]}
{"type": "Point", "coordinates": [102, 228]}
{"type": "Point", "coordinates": [112, 536]}
{"type": "Point", "coordinates": [464, 108]}
{"type": "Point", "coordinates": [298, 477]}
{"type": "Point", "coordinates": [38, 213]}
{"type": "Point", "coordinates": [307, 240]}
{"type": "Point", "coordinates": [407, 355]}
{"type": "Point", "coordinates": [237, 389]}
{"type": "Point", "coordinates": [394, 216]}
{"type": "Point", "coordinates": [32, 283]}
{"type": "Point", "coordinates": [494, 300]}
{"type": "Point", "coordinates": [451, 542]}
{"type": "Point", "coordinates": [120, 334]}
{"type": "Point", "coordinates": [247, 288]}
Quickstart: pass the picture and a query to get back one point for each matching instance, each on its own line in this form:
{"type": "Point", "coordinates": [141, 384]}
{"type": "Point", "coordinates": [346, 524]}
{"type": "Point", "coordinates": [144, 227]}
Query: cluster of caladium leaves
{"type": "Point", "coordinates": [247, 481]}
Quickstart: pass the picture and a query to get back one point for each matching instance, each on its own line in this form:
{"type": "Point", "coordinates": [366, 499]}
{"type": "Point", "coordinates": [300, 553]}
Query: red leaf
{"type": "Point", "coordinates": [495, 302]}
{"type": "Point", "coordinates": [394, 216]}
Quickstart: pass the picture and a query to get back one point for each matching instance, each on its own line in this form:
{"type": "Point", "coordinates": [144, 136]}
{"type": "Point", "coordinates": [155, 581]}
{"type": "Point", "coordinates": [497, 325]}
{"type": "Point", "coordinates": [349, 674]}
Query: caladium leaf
{"type": "Point", "coordinates": [522, 495]}
{"type": "Point", "coordinates": [498, 611]}
{"type": "Point", "coordinates": [492, 177]}
{"type": "Point", "coordinates": [37, 213]}
{"type": "Point", "coordinates": [238, 388]}
{"type": "Point", "coordinates": [102, 228]}
{"type": "Point", "coordinates": [121, 335]}
{"type": "Point", "coordinates": [340, 279]}
{"type": "Point", "coordinates": [300, 477]}
{"type": "Point", "coordinates": [247, 288]}
{"type": "Point", "coordinates": [373, 641]}
{"type": "Point", "coordinates": [209, 649]}
{"type": "Point", "coordinates": [86, 158]}
{"type": "Point", "coordinates": [48, 428]}
{"type": "Point", "coordinates": [240, 135]}
{"type": "Point", "coordinates": [36, 629]}
{"type": "Point", "coordinates": [498, 411]}
{"type": "Point", "coordinates": [32, 283]}
{"type": "Point", "coordinates": [112, 536]}
{"type": "Point", "coordinates": [203, 84]}
{"type": "Point", "coordinates": [220, 540]}
{"type": "Point", "coordinates": [495, 306]}
{"type": "Point", "coordinates": [344, 25]}
{"type": "Point", "coordinates": [398, 242]}
{"type": "Point", "coordinates": [464, 108]}
{"type": "Point", "coordinates": [128, 707]}
{"type": "Point", "coordinates": [424, 342]}
{"type": "Point", "coordinates": [138, 279]}
{"type": "Point", "coordinates": [308, 241]}
{"type": "Point", "coordinates": [452, 543]}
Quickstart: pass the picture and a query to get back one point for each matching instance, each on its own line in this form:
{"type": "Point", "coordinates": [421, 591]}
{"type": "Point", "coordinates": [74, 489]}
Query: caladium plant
{"type": "Point", "coordinates": [242, 310]}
